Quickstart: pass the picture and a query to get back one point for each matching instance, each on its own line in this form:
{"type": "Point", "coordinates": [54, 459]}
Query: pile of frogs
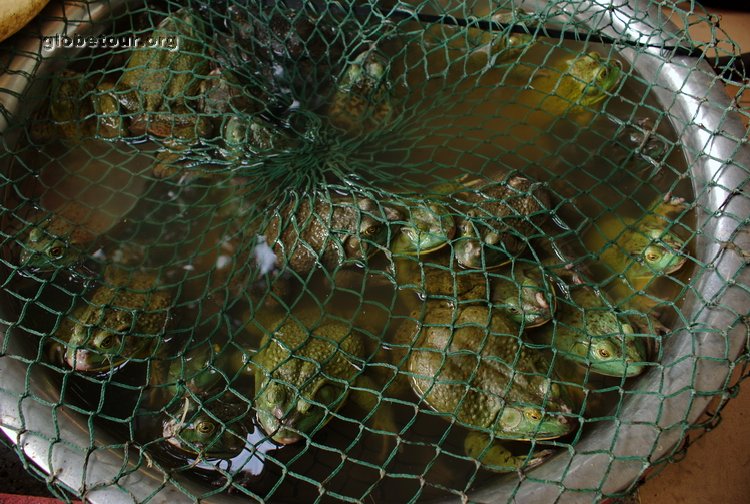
{"type": "Point", "coordinates": [496, 307]}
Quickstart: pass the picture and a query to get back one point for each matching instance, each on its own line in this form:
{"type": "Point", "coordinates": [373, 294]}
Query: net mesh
{"type": "Point", "coordinates": [350, 251]}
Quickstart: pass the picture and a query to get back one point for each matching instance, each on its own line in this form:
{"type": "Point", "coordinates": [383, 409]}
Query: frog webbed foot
{"type": "Point", "coordinates": [495, 457]}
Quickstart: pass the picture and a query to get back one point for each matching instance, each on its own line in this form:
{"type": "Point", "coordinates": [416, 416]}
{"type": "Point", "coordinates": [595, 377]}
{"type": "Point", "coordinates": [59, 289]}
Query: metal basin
{"type": "Point", "coordinates": [610, 456]}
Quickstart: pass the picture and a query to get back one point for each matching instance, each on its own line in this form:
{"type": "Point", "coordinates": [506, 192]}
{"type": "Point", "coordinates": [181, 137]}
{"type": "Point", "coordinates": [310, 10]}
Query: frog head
{"type": "Point", "coordinates": [44, 250]}
{"type": "Point", "coordinates": [99, 340]}
{"type": "Point", "coordinates": [588, 78]}
{"type": "Point", "coordinates": [371, 233]}
{"type": "Point", "coordinates": [287, 415]}
{"type": "Point", "coordinates": [522, 421]}
{"type": "Point", "coordinates": [527, 298]}
{"type": "Point", "coordinates": [656, 252]}
{"type": "Point", "coordinates": [429, 226]}
{"type": "Point", "coordinates": [621, 355]}
{"type": "Point", "coordinates": [209, 431]}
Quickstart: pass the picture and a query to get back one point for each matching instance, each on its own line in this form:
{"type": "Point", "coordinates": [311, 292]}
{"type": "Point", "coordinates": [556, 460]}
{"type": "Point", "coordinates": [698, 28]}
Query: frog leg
{"type": "Point", "coordinates": [495, 457]}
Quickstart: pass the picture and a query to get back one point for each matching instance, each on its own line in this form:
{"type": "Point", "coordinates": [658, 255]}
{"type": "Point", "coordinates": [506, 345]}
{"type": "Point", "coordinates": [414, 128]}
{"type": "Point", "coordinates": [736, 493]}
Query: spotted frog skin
{"type": "Point", "coordinates": [327, 231]}
{"type": "Point", "coordinates": [80, 109]}
{"type": "Point", "coordinates": [303, 373]}
{"type": "Point", "coordinates": [123, 320]}
{"type": "Point", "coordinates": [363, 99]}
{"type": "Point", "coordinates": [500, 215]}
{"type": "Point", "coordinates": [159, 88]}
{"type": "Point", "coordinates": [463, 361]}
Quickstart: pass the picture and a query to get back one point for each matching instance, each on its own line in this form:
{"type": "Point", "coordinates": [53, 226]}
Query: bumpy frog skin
{"type": "Point", "coordinates": [213, 430]}
{"type": "Point", "coordinates": [80, 109]}
{"type": "Point", "coordinates": [159, 86]}
{"type": "Point", "coordinates": [643, 248]}
{"type": "Point", "coordinates": [302, 375]}
{"type": "Point", "coordinates": [244, 137]}
{"type": "Point", "coordinates": [327, 231]}
{"type": "Point", "coordinates": [363, 99]}
{"type": "Point", "coordinates": [467, 362]}
{"type": "Point", "coordinates": [123, 320]}
{"type": "Point", "coordinates": [500, 214]}
{"type": "Point", "coordinates": [588, 332]}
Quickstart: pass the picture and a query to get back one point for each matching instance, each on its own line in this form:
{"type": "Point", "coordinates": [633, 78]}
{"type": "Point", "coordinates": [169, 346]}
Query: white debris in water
{"type": "Point", "coordinates": [265, 259]}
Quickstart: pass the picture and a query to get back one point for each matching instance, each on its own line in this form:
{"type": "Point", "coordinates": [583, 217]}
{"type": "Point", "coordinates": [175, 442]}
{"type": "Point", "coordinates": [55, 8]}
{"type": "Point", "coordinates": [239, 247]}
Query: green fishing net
{"type": "Point", "coordinates": [369, 251]}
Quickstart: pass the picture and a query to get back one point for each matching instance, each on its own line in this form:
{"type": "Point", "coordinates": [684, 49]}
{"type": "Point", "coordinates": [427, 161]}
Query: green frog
{"type": "Point", "coordinates": [500, 215]}
{"type": "Point", "coordinates": [363, 99]}
{"type": "Point", "coordinates": [327, 230]}
{"type": "Point", "coordinates": [588, 331]}
{"type": "Point", "coordinates": [159, 88]}
{"type": "Point", "coordinates": [574, 86]}
{"type": "Point", "coordinates": [80, 195]}
{"type": "Point", "coordinates": [639, 250]}
{"type": "Point", "coordinates": [209, 429]}
{"type": "Point", "coordinates": [428, 227]}
{"type": "Point", "coordinates": [469, 362]}
{"type": "Point", "coordinates": [524, 292]}
{"type": "Point", "coordinates": [123, 320]}
{"type": "Point", "coordinates": [305, 370]}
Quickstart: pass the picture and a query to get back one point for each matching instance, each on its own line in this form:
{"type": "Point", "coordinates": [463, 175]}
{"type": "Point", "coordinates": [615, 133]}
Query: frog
{"type": "Point", "coordinates": [79, 109]}
{"type": "Point", "coordinates": [498, 218]}
{"type": "Point", "coordinates": [525, 293]}
{"type": "Point", "coordinates": [469, 362]}
{"type": "Point", "coordinates": [60, 239]}
{"type": "Point", "coordinates": [634, 252]}
{"type": "Point", "coordinates": [245, 137]}
{"type": "Point", "coordinates": [289, 50]}
{"type": "Point", "coordinates": [308, 367]}
{"type": "Point", "coordinates": [589, 332]}
{"type": "Point", "coordinates": [574, 86]}
{"type": "Point", "coordinates": [522, 291]}
{"type": "Point", "coordinates": [201, 371]}
{"type": "Point", "coordinates": [363, 100]}
{"type": "Point", "coordinates": [158, 89]}
{"type": "Point", "coordinates": [208, 428]}
{"type": "Point", "coordinates": [327, 230]}
{"type": "Point", "coordinates": [125, 318]}
{"type": "Point", "coordinates": [428, 227]}
{"type": "Point", "coordinates": [76, 199]}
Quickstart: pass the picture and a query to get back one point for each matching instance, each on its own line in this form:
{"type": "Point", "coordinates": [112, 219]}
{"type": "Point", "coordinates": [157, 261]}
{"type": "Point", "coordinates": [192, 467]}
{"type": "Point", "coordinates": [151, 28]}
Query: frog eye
{"type": "Point", "coordinates": [604, 353]}
{"type": "Point", "coordinates": [533, 415]}
{"type": "Point", "coordinates": [652, 255]}
{"type": "Point", "coordinates": [108, 342]}
{"type": "Point", "coordinates": [56, 251]}
{"type": "Point", "coordinates": [205, 427]}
